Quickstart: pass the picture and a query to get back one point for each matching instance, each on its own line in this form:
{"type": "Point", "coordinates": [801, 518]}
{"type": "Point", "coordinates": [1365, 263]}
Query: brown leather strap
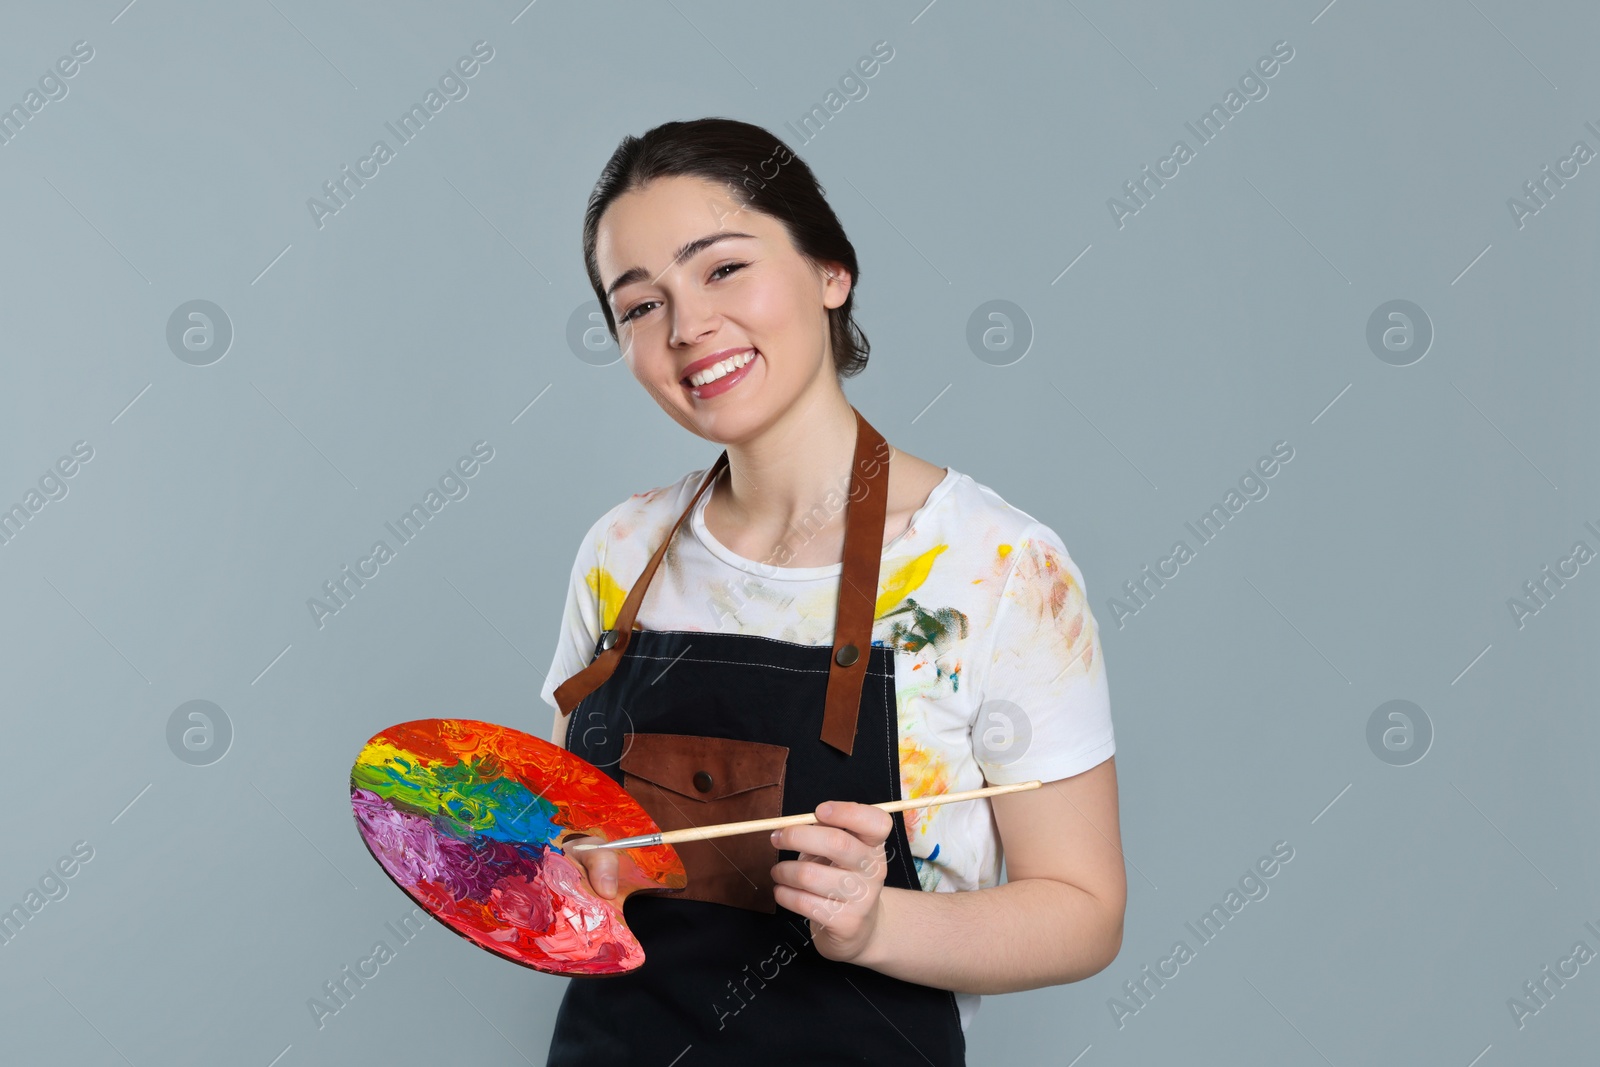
{"type": "Point", "coordinates": [866, 508]}
{"type": "Point", "coordinates": [864, 514]}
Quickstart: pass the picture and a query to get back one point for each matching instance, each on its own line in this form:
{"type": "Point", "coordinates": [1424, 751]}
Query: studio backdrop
{"type": "Point", "coordinates": [1281, 314]}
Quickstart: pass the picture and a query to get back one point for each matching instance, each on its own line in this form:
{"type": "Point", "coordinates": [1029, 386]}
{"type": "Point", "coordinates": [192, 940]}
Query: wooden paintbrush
{"type": "Point", "coordinates": [728, 829]}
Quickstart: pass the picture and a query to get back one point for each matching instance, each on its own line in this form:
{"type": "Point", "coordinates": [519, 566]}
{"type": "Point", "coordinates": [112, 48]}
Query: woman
{"type": "Point", "coordinates": [840, 624]}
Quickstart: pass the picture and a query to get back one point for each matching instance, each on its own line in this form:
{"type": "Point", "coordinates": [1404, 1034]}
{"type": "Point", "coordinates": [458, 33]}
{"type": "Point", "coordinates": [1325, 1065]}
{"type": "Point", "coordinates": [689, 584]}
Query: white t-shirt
{"type": "Point", "coordinates": [999, 676]}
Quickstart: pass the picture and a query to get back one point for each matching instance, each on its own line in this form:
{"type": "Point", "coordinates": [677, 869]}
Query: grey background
{"type": "Point", "coordinates": [1230, 313]}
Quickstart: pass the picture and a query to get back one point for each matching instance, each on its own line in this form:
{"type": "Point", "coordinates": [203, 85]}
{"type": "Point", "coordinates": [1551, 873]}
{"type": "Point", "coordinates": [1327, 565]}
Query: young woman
{"type": "Point", "coordinates": [830, 623]}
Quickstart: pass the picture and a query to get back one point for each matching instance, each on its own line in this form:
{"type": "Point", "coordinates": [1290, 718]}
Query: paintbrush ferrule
{"type": "Point", "coordinates": [641, 841]}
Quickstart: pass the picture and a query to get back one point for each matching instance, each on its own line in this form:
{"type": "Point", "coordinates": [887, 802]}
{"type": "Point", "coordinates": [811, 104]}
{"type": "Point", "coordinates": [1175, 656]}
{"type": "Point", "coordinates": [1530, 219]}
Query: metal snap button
{"type": "Point", "coordinates": [702, 781]}
{"type": "Point", "coordinates": [846, 655]}
{"type": "Point", "coordinates": [608, 639]}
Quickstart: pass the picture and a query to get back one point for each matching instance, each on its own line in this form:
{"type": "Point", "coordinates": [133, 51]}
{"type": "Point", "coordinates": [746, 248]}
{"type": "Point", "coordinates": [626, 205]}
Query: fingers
{"type": "Point", "coordinates": [820, 909]}
{"type": "Point", "coordinates": [841, 859]}
{"type": "Point", "coordinates": [839, 883]}
{"type": "Point", "coordinates": [839, 876]}
{"type": "Point", "coordinates": [845, 833]}
{"type": "Point", "coordinates": [870, 823]}
{"type": "Point", "coordinates": [602, 867]}
{"type": "Point", "coordinates": [599, 863]}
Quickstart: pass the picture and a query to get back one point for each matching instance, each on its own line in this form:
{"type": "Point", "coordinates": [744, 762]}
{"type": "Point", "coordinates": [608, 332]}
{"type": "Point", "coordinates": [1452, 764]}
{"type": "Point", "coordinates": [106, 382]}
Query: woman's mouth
{"type": "Point", "coordinates": [720, 377]}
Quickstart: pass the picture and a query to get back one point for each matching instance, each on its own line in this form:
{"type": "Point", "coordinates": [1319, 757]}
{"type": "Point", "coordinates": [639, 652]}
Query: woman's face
{"type": "Point", "coordinates": [743, 292]}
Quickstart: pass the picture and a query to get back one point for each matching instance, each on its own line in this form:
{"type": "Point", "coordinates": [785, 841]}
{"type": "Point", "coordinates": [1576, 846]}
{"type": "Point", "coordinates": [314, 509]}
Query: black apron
{"type": "Point", "coordinates": [711, 727]}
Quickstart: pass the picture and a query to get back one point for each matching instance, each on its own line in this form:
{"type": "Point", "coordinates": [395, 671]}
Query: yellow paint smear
{"type": "Point", "coordinates": [906, 579]}
{"type": "Point", "coordinates": [609, 594]}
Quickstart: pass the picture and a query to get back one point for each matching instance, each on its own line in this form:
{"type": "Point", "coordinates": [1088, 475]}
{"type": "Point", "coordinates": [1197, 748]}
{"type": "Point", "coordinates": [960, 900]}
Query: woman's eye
{"type": "Point", "coordinates": [647, 304]}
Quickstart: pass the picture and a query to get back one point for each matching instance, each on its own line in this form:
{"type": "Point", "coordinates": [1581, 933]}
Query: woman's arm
{"type": "Point", "coordinates": [1058, 918]}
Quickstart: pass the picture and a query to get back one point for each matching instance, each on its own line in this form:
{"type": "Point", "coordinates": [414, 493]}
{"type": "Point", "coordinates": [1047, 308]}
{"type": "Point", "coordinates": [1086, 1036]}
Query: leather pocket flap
{"type": "Point", "coordinates": [703, 768]}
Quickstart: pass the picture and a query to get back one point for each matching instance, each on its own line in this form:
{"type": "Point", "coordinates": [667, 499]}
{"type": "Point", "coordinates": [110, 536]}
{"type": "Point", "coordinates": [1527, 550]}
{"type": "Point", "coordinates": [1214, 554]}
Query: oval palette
{"type": "Point", "coordinates": [468, 818]}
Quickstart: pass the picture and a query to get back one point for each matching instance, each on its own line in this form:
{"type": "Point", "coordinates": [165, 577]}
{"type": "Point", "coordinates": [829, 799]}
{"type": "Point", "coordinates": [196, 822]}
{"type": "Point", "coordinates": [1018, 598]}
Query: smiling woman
{"type": "Point", "coordinates": [693, 249]}
{"type": "Point", "coordinates": [889, 614]}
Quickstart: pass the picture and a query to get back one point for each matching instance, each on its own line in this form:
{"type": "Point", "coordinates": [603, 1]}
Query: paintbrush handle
{"type": "Point", "coordinates": [750, 826]}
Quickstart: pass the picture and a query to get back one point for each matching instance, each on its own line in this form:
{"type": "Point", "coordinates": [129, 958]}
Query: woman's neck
{"type": "Point", "coordinates": [786, 477]}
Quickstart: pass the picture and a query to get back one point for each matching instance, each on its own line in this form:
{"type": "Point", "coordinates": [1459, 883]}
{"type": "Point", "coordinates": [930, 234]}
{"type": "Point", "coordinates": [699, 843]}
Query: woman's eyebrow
{"type": "Point", "coordinates": [694, 247]}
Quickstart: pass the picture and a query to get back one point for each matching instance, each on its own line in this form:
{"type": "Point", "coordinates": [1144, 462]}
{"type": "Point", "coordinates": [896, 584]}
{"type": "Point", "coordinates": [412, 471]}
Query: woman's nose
{"type": "Point", "coordinates": [693, 319]}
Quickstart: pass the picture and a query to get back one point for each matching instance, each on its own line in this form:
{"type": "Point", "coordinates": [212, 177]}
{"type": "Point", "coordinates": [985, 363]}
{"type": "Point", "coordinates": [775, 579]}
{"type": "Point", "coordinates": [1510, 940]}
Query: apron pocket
{"type": "Point", "coordinates": [684, 780]}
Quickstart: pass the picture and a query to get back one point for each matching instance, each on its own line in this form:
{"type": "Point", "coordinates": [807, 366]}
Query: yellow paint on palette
{"type": "Point", "coordinates": [906, 579]}
{"type": "Point", "coordinates": [608, 594]}
{"type": "Point", "coordinates": [379, 753]}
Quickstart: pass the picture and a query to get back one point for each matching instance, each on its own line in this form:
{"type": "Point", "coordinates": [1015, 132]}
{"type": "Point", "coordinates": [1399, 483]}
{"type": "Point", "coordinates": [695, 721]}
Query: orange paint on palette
{"type": "Point", "coordinates": [469, 817]}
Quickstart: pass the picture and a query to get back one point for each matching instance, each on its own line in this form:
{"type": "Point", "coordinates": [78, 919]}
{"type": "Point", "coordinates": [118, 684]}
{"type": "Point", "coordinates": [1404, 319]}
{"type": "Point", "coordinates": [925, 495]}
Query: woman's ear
{"type": "Point", "coordinates": [836, 283]}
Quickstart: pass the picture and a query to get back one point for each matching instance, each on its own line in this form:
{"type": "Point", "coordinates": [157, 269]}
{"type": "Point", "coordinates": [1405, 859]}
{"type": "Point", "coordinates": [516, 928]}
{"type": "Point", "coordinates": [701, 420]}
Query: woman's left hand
{"type": "Point", "coordinates": [837, 882]}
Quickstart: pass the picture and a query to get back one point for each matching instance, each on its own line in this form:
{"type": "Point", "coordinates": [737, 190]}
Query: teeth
{"type": "Point", "coordinates": [717, 370]}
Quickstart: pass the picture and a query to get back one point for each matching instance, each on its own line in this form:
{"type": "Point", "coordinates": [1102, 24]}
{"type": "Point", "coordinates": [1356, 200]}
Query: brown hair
{"type": "Point", "coordinates": [739, 156]}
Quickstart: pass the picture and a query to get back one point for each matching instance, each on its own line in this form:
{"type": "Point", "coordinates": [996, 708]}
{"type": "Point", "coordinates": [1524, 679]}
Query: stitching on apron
{"type": "Point", "coordinates": [892, 729]}
{"type": "Point", "coordinates": [753, 637]}
{"type": "Point", "coordinates": [746, 663]}
{"type": "Point", "coordinates": [729, 633]}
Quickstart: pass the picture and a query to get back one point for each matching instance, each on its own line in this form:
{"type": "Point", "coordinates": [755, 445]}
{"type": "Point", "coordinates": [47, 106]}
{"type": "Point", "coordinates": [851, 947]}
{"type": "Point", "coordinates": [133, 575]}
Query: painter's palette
{"type": "Point", "coordinates": [468, 818]}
